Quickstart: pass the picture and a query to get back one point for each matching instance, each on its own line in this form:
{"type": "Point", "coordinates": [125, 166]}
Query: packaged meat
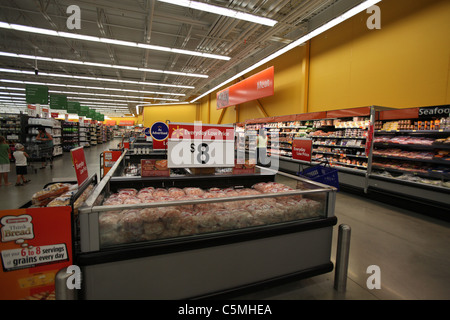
{"type": "Point", "coordinates": [176, 193]}
{"type": "Point", "coordinates": [132, 225]}
{"type": "Point", "coordinates": [132, 200]}
{"type": "Point", "coordinates": [129, 191]}
{"type": "Point", "coordinates": [193, 191]}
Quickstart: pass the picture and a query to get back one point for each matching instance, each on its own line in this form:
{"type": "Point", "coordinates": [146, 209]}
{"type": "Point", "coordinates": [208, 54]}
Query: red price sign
{"type": "Point", "coordinates": [301, 149]}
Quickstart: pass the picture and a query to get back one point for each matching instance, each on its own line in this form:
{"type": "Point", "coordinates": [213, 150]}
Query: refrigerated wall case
{"type": "Point", "coordinates": [202, 247]}
{"type": "Point", "coordinates": [399, 156]}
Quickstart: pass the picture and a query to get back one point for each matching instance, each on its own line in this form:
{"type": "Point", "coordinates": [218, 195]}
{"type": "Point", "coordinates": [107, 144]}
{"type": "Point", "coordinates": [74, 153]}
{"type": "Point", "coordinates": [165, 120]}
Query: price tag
{"type": "Point", "coordinates": [200, 153]}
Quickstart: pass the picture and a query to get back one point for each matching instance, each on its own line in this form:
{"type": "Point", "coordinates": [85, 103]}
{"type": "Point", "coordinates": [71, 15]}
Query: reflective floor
{"type": "Point", "coordinates": [412, 251]}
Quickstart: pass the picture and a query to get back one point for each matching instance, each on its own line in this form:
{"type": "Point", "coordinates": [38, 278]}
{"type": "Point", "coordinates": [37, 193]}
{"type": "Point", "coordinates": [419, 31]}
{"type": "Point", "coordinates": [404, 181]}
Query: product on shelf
{"type": "Point", "coordinates": [132, 225]}
{"type": "Point", "coordinates": [48, 194]}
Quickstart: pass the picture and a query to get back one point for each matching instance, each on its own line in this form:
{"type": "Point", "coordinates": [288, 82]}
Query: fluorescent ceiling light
{"type": "Point", "coordinates": [222, 11]}
{"type": "Point", "coordinates": [82, 87]}
{"type": "Point", "coordinates": [347, 15]}
{"type": "Point", "coordinates": [160, 104]}
{"type": "Point", "coordinates": [17, 27]}
{"type": "Point", "coordinates": [58, 75]}
{"type": "Point", "coordinates": [101, 65]}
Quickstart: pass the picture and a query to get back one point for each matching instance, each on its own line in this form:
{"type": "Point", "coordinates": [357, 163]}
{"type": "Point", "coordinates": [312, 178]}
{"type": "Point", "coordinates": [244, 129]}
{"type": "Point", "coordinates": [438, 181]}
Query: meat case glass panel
{"type": "Point", "coordinates": [153, 213]}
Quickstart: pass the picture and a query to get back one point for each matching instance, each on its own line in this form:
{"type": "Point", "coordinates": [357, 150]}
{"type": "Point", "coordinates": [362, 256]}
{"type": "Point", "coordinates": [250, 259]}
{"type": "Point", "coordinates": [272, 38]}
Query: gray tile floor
{"type": "Point", "coordinates": [412, 250]}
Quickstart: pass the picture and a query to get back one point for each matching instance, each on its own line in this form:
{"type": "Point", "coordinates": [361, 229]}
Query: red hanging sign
{"type": "Point", "coordinates": [258, 86]}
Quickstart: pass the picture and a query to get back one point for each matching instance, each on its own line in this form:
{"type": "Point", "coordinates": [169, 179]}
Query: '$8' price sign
{"type": "Point", "coordinates": [201, 153]}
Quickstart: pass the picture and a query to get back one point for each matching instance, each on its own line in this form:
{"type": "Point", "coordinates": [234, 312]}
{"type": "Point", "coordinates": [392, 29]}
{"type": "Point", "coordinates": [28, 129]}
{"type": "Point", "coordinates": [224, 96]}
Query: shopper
{"type": "Point", "coordinates": [5, 163]}
{"type": "Point", "coordinates": [21, 164]}
{"type": "Point", "coordinates": [47, 140]}
{"type": "Point", "coordinates": [262, 147]}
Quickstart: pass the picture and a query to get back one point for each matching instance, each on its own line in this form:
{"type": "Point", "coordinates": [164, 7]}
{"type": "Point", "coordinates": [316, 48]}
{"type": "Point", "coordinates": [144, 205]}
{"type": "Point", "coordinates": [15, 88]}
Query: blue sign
{"type": "Point", "coordinates": [147, 132]}
{"type": "Point", "coordinates": [159, 131]}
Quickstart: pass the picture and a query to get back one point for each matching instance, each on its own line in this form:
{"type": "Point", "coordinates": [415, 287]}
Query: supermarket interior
{"type": "Point", "coordinates": [240, 150]}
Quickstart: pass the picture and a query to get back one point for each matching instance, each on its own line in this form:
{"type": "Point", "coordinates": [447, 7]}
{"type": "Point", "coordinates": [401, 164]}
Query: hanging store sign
{"type": "Point", "coordinates": [200, 146]}
{"type": "Point", "coordinates": [58, 102]}
{"type": "Point", "coordinates": [258, 86]}
{"type": "Point", "coordinates": [159, 131]}
{"type": "Point", "coordinates": [73, 107]}
{"type": "Point", "coordinates": [36, 94]}
{"type": "Point", "coordinates": [301, 149]}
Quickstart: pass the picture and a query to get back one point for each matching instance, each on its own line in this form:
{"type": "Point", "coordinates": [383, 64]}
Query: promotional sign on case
{"type": "Point", "coordinates": [35, 244]}
{"type": "Point", "coordinates": [79, 163]}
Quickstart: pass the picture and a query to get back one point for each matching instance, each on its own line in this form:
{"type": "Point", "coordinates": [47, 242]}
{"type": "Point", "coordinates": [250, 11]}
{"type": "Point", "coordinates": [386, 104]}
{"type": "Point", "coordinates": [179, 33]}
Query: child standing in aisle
{"type": "Point", "coordinates": [5, 164]}
{"type": "Point", "coordinates": [21, 164]}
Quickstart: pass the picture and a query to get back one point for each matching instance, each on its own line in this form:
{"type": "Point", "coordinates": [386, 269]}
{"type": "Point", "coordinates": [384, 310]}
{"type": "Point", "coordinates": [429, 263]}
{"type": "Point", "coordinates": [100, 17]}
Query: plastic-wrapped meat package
{"type": "Point", "coordinates": [207, 221]}
{"type": "Point", "coordinates": [147, 190]}
{"type": "Point", "coordinates": [230, 192]}
{"type": "Point", "coordinates": [187, 207]}
{"type": "Point", "coordinates": [259, 214]}
{"type": "Point", "coordinates": [146, 198]}
{"type": "Point", "coordinates": [176, 193]}
{"type": "Point", "coordinates": [132, 200]}
{"type": "Point", "coordinates": [152, 230]}
{"type": "Point", "coordinates": [150, 215]}
{"type": "Point", "coordinates": [210, 206]}
{"type": "Point", "coordinates": [311, 208]}
{"type": "Point", "coordinates": [190, 191]}
{"type": "Point", "coordinates": [113, 200]}
{"type": "Point", "coordinates": [168, 214]}
{"type": "Point", "coordinates": [160, 193]}
{"type": "Point", "coordinates": [132, 225]}
{"type": "Point", "coordinates": [129, 191]}
{"type": "Point", "coordinates": [260, 186]}
{"type": "Point", "coordinates": [242, 218]}
{"type": "Point", "coordinates": [225, 220]}
{"type": "Point", "coordinates": [189, 224]}
{"type": "Point", "coordinates": [109, 221]}
{"type": "Point", "coordinates": [146, 193]}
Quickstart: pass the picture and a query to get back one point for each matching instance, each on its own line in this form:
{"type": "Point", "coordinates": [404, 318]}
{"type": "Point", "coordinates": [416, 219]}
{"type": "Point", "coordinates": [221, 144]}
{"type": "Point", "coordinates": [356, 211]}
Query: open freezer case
{"type": "Point", "coordinates": [199, 236]}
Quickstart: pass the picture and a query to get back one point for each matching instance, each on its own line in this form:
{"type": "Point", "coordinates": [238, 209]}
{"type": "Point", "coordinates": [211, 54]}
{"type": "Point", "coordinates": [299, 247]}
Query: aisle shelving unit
{"type": "Point", "coordinates": [70, 135]}
{"type": "Point", "coordinates": [390, 152]}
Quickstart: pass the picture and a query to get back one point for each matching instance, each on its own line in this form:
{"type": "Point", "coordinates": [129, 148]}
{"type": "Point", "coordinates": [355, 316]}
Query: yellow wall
{"type": "Point", "coordinates": [288, 98]}
{"type": "Point", "coordinates": [403, 65]}
{"type": "Point", "coordinates": [176, 113]}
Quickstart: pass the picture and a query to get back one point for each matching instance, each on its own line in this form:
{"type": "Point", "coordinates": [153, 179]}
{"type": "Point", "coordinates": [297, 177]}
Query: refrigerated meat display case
{"type": "Point", "coordinates": [201, 236]}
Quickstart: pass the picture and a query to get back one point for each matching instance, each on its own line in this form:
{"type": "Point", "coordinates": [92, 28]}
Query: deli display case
{"type": "Point", "coordinates": [199, 236]}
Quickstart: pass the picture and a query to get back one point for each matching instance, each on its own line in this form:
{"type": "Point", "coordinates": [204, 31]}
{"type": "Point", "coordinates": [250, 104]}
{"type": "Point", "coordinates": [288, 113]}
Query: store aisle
{"type": "Point", "coordinates": [13, 197]}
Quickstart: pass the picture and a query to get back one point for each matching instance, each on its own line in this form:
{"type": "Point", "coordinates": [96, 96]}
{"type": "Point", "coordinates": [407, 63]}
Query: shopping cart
{"type": "Point", "coordinates": [39, 152]}
{"type": "Point", "coordinates": [322, 173]}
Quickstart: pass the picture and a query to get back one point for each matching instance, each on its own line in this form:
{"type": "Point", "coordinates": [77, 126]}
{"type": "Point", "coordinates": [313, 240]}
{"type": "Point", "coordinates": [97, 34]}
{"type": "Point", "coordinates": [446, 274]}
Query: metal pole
{"type": "Point", "coordinates": [62, 292]}
{"type": "Point", "coordinates": [342, 254]}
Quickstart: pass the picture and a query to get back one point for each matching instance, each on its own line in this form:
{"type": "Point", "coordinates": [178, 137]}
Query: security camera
{"type": "Point", "coordinates": [36, 71]}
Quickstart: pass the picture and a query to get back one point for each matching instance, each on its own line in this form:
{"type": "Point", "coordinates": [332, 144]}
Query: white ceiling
{"type": "Point", "coordinates": [145, 22]}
